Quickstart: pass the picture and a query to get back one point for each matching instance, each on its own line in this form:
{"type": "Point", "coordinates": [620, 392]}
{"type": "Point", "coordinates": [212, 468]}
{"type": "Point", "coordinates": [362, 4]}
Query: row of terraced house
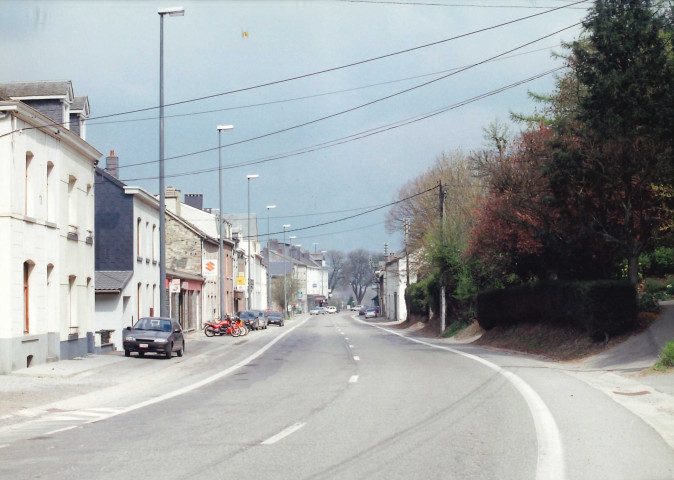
{"type": "Point", "coordinates": [80, 248]}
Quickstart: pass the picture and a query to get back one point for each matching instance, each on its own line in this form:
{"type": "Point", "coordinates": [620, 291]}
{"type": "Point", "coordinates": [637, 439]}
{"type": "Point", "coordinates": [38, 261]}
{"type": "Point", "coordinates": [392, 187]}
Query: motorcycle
{"type": "Point", "coordinates": [226, 326]}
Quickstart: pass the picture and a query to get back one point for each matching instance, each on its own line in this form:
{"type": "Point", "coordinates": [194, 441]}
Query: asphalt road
{"type": "Point", "coordinates": [334, 397]}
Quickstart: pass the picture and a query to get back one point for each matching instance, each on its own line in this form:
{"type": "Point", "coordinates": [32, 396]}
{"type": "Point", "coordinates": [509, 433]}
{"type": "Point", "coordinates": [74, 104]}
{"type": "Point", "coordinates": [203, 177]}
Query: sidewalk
{"type": "Point", "coordinates": [24, 391]}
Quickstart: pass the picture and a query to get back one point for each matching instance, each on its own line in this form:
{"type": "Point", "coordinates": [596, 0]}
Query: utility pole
{"type": "Point", "coordinates": [407, 255]}
{"type": "Point", "coordinates": [443, 306]}
{"type": "Point", "coordinates": [383, 284]}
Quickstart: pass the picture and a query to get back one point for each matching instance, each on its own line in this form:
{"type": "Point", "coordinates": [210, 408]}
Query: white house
{"type": "Point", "coordinates": [46, 226]}
{"type": "Point", "coordinates": [395, 278]}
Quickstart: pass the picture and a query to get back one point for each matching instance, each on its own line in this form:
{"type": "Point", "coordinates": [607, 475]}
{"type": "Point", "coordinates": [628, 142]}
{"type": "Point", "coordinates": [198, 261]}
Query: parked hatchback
{"type": "Point", "coordinates": [158, 335]}
{"type": "Point", "coordinates": [253, 319]}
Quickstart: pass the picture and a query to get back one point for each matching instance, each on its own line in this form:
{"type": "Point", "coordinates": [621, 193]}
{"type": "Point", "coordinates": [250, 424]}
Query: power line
{"type": "Point", "coordinates": [320, 72]}
{"type": "Point", "coordinates": [350, 216]}
{"type": "Point", "coordinates": [360, 135]}
{"type": "Point", "coordinates": [307, 97]}
{"type": "Point", "coordinates": [363, 105]}
{"type": "Point", "coordinates": [426, 4]}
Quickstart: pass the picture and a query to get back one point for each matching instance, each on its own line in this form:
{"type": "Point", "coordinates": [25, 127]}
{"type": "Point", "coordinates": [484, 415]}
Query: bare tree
{"type": "Point", "coordinates": [359, 273]}
{"type": "Point", "coordinates": [336, 262]}
{"type": "Point", "coordinates": [280, 292]}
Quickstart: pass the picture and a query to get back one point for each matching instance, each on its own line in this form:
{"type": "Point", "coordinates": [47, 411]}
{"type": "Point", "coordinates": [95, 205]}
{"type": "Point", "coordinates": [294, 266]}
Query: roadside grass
{"type": "Point", "coordinates": [666, 361]}
{"type": "Point", "coordinates": [453, 329]}
{"type": "Point", "coordinates": [556, 343]}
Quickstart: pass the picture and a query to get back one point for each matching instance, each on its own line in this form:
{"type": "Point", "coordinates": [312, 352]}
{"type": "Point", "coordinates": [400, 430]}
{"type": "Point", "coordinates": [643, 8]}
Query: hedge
{"type": "Point", "coordinates": [601, 308]}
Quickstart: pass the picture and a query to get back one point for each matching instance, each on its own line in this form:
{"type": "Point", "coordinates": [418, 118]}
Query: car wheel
{"type": "Point", "coordinates": [169, 351]}
{"type": "Point", "coordinates": [127, 353]}
{"type": "Point", "coordinates": [281, 324]}
{"type": "Point", "coordinates": [182, 349]}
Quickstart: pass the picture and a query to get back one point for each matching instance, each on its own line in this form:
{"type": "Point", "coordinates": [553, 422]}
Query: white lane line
{"type": "Point", "coordinates": [346, 338]}
{"type": "Point", "coordinates": [281, 435]}
{"type": "Point", "coordinates": [550, 464]}
{"type": "Point", "coordinates": [351, 346]}
{"type": "Point", "coordinates": [356, 357]}
{"type": "Point", "coordinates": [205, 381]}
{"type": "Point", "coordinates": [353, 379]}
{"type": "Point", "coordinates": [6, 417]}
{"type": "Point", "coordinates": [5, 445]}
{"type": "Point", "coordinates": [62, 430]}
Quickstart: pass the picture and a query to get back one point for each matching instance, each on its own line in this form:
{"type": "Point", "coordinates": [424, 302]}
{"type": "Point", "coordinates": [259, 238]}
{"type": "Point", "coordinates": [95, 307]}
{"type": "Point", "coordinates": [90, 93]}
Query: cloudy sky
{"type": "Point", "coordinates": [226, 62]}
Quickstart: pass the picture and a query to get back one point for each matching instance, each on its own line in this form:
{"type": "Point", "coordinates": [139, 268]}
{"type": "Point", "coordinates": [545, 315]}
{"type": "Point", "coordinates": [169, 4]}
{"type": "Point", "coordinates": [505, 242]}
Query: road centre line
{"type": "Point", "coordinates": [284, 433]}
{"type": "Point", "coordinates": [353, 379]}
{"type": "Point", "coordinates": [550, 462]}
{"type": "Point", "coordinates": [356, 358]}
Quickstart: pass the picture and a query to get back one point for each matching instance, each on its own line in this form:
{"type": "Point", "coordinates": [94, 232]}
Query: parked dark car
{"type": "Point", "coordinates": [253, 319]}
{"type": "Point", "coordinates": [162, 336]}
{"type": "Point", "coordinates": [274, 318]}
{"type": "Point", "coordinates": [363, 309]}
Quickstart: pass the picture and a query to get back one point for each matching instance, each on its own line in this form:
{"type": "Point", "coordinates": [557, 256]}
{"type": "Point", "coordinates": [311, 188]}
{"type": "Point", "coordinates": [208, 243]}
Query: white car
{"type": "Point", "coordinates": [331, 309]}
{"type": "Point", "coordinates": [318, 311]}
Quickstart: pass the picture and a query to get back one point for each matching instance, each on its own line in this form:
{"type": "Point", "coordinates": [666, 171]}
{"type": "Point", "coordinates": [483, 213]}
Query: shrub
{"type": "Point", "coordinates": [601, 308]}
{"type": "Point", "coordinates": [666, 357]}
{"type": "Point", "coordinates": [648, 303]}
{"type": "Point", "coordinates": [652, 285]}
{"type": "Point", "coordinates": [422, 297]}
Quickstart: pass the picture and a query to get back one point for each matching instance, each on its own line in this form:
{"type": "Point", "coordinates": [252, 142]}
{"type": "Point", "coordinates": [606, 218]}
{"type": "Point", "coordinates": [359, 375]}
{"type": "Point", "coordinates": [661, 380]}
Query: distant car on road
{"type": "Point", "coordinates": [159, 335]}
{"type": "Point", "coordinates": [274, 318]}
{"type": "Point", "coordinates": [362, 309]}
{"type": "Point", "coordinates": [371, 313]}
{"type": "Point", "coordinates": [331, 309]}
{"type": "Point", "coordinates": [318, 311]}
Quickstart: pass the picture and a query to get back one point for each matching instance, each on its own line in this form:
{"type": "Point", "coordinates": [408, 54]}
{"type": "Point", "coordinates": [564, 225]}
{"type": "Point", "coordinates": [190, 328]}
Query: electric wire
{"type": "Point", "coordinates": [307, 97]}
{"type": "Point", "coordinates": [320, 72]}
{"type": "Point", "coordinates": [357, 107]}
{"type": "Point", "coordinates": [357, 136]}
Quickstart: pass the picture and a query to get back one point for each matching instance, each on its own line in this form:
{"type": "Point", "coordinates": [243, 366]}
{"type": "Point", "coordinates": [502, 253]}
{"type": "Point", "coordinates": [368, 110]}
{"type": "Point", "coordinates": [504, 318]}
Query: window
{"type": "Point", "coordinates": [49, 193]}
{"type": "Point", "coordinates": [148, 240]}
{"type": "Point", "coordinates": [72, 204]}
{"type": "Point", "coordinates": [29, 192]}
{"type": "Point", "coordinates": [138, 248]}
{"type": "Point", "coordinates": [72, 304]}
{"type": "Point", "coordinates": [138, 294]}
{"type": "Point", "coordinates": [154, 237]}
{"type": "Point", "coordinates": [27, 270]}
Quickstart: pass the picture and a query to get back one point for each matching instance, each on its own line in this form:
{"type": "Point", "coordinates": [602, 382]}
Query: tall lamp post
{"type": "Point", "coordinates": [221, 287]}
{"type": "Point", "coordinates": [285, 294]}
{"type": "Point", "coordinates": [250, 286]}
{"type": "Point", "coordinates": [291, 238]}
{"type": "Point", "coordinates": [269, 207]}
{"type": "Point", "coordinates": [163, 304]}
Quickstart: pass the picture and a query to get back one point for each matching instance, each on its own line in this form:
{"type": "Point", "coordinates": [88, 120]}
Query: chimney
{"type": "Point", "coordinates": [112, 164]}
{"type": "Point", "coordinates": [172, 199]}
{"type": "Point", "coordinates": [195, 200]}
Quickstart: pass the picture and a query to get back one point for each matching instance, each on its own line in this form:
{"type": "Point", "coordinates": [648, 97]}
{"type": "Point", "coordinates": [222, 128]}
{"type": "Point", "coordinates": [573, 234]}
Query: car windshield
{"type": "Point", "coordinates": [157, 324]}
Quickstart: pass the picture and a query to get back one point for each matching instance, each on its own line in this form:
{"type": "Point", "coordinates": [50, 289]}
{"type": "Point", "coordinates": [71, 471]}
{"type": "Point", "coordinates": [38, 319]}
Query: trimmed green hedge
{"type": "Point", "coordinates": [600, 308]}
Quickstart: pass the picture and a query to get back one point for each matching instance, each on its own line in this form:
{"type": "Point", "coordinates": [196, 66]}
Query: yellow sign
{"type": "Point", "coordinates": [241, 283]}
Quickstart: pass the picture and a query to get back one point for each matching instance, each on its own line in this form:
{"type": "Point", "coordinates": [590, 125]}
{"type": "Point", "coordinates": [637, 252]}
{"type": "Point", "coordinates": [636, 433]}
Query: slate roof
{"type": "Point", "coordinates": [80, 104]}
{"type": "Point", "coordinates": [37, 89]}
{"type": "Point", "coordinates": [112, 280]}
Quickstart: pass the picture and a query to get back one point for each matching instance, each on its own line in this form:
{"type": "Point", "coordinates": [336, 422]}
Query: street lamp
{"type": "Point", "coordinates": [291, 238]}
{"type": "Point", "coordinates": [285, 295]}
{"type": "Point", "coordinates": [250, 289]}
{"type": "Point", "coordinates": [221, 287]}
{"type": "Point", "coordinates": [269, 207]}
{"type": "Point", "coordinates": [163, 310]}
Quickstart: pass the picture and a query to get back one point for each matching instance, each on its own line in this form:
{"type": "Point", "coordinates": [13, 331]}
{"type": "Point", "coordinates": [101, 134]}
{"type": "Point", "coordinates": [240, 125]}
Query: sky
{"type": "Point", "coordinates": [315, 141]}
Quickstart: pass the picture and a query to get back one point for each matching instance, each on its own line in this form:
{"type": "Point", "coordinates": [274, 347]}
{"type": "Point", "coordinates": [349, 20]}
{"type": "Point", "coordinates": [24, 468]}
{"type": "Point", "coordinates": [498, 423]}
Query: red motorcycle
{"type": "Point", "coordinates": [226, 326]}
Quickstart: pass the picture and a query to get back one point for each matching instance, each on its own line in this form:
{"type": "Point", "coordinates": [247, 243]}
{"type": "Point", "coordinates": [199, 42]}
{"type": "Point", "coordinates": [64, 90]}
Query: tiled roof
{"type": "Point", "coordinates": [112, 280]}
{"type": "Point", "coordinates": [36, 89]}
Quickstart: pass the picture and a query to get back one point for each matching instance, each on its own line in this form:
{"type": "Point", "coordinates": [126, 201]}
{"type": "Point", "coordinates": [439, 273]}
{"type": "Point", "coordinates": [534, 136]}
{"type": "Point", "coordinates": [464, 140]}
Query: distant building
{"type": "Point", "coordinates": [46, 225]}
